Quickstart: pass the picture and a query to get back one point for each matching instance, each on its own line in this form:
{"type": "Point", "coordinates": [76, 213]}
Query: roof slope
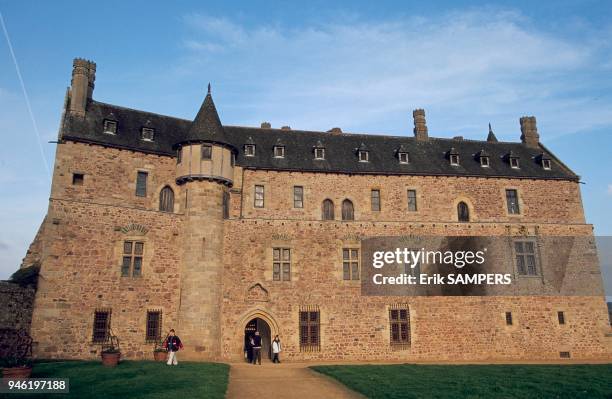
{"type": "Point", "coordinates": [426, 157]}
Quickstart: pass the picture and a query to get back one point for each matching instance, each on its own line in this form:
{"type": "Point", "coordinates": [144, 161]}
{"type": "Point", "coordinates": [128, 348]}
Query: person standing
{"type": "Point", "coordinates": [257, 348]}
{"type": "Point", "coordinates": [173, 344]}
{"type": "Point", "coordinates": [276, 349]}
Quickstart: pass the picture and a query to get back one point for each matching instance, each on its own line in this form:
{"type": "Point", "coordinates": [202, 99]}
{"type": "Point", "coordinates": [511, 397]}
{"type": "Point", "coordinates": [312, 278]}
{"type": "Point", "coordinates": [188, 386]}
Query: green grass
{"type": "Point", "coordinates": [135, 379]}
{"type": "Point", "coordinates": [475, 381]}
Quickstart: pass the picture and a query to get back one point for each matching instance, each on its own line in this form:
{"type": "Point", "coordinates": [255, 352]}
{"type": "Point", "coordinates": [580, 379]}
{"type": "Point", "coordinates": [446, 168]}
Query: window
{"type": "Point", "coordinates": [514, 163]}
{"type": "Point", "coordinates": [454, 159]}
{"type": "Point", "coordinates": [347, 210]}
{"type": "Point", "coordinates": [147, 134]}
{"type": "Point", "coordinates": [259, 196]}
{"type": "Point", "coordinates": [179, 155]}
{"type": "Point", "coordinates": [206, 151]}
{"type": "Point", "coordinates": [546, 164]}
{"type": "Point", "coordinates": [298, 196]}
{"type": "Point", "coordinates": [166, 200]}
{"type": "Point", "coordinates": [526, 263]}
{"type": "Point", "coordinates": [141, 184]}
{"type": "Point", "coordinates": [463, 212]}
{"type": "Point", "coordinates": [78, 179]}
{"type": "Point", "coordinates": [327, 211]}
{"type": "Point", "coordinates": [364, 156]}
{"type": "Point", "coordinates": [512, 202]}
{"type": "Point", "coordinates": [319, 153]}
{"type": "Point", "coordinates": [226, 204]}
{"type": "Point", "coordinates": [508, 318]}
{"type": "Point", "coordinates": [410, 270]}
{"type": "Point", "coordinates": [249, 150]}
{"type": "Point", "coordinates": [399, 325]}
{"type": "Point", "coordinates": [484, 162]}
{"type": "Point", "coordinates": [412, 201]}
{"type": "Point", "coordinates": [110, 127]}
{"type": "Point", "coordinates": [350, 264]}
{"type": "Point", "coordinates": [281, 264]}
{"type": "Point", "coordinates": [375, 200]}
{"type": "Point", "coordinates": [403, 157]}
{"type": "Point", "coordinates": [133, 252]}
{"type": "Point", "coordinates": [154, 325]}
{"type": "Point", "coordinates": [233, 160]}
{"type": "Point", "coordinates": [279, 151]}
{"type": "Point", "coordinates": [561, 317]}
{"type": "Point", "coordinates": [309, 329]}
{"type": "Point", "coordinates": [101, 325]}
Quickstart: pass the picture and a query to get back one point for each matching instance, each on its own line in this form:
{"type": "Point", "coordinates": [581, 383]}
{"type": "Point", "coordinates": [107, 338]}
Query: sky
{"type": "Point", "coordinates": [360, 65]}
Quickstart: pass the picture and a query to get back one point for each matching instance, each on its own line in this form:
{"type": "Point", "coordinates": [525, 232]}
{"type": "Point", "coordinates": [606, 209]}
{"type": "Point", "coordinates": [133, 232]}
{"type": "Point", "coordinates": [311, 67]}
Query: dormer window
{"type": "Point", "coordinates": [403, 157]}
{"type": "Point", "coordinates": [110, 127]}
{"type": "Point", "coordinates": [364, 156]}
{"type": "Point", "coordinates": [319, 153]}
{"type": "Point", "coordinates": [484, 162]}
{"type": "Point", "coordinates": [249, 150]}
{"type": "Point", "coordinates": [514, 162]}
{"type": "Point", "coordinates": [147, 134]}
{"type": "Point", "coordinates": [206, 151]}
{"type": "Point", "coordinates": [279, 151]}
{"type": "Point", "coordinates": [544, 160]}
{"type": "Point", "coordinates": [546, 164]}
{"type": "Point", "coordinates": [454, 159]}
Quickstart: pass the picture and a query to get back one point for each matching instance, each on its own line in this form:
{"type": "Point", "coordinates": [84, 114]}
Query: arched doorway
{"type": "Point", "coordinates": [262, 326]}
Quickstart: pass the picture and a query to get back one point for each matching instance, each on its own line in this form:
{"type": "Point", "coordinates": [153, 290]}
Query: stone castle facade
{"type": "Point", "coordinates": [156, 222]}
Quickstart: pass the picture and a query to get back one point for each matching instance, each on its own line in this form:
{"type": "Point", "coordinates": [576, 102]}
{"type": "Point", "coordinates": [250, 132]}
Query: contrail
{"type": "Point", "coordinates": [25, 95]}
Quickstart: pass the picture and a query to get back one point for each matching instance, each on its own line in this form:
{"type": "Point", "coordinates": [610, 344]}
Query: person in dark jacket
{"type": "Point", "coordinates": [172, 344]}
{"type": "Point", "coordinates": [257, 348]}
{"type": "Point", "coordinates": [248, 347]}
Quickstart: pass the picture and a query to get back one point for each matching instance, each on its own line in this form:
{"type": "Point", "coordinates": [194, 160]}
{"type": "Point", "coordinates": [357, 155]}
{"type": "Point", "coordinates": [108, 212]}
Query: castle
{"type": "Point", "coordinates": [156, 222]}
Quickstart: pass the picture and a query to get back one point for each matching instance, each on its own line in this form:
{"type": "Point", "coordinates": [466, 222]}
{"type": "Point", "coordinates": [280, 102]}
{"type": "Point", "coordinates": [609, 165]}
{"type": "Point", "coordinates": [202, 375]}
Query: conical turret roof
{"type": "Point", "coordinates": [207, 127]}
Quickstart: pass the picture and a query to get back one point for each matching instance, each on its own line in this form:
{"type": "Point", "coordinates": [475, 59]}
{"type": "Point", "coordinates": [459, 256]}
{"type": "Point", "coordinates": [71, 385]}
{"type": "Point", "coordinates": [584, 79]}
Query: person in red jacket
{"type": "Point", "coordinates": [172, 344]}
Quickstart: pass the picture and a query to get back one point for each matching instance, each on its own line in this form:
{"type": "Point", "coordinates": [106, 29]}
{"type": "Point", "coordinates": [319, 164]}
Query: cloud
{"type": "Point", "coordinates": [466, 69]}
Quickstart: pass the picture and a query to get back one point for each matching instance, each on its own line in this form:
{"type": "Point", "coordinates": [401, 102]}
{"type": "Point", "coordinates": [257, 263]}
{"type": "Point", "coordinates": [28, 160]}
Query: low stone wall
{"type": "Point", "coordinates": [17, 303]}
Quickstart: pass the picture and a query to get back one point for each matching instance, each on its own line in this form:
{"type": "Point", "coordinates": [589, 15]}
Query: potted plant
{"type": "Point", "coordinates": [110, 351]}
{"type": "Point", "coordinates": [16, 367]}
{"type": "Point", "coordinates": [160, 353]}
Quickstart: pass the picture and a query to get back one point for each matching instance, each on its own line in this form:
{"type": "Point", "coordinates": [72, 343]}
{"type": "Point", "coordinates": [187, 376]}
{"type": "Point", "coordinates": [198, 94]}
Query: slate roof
{"type": "Point", "coordinates": [426, 157]}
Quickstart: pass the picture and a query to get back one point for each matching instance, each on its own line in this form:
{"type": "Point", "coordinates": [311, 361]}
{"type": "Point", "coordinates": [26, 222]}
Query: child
{"type": "Point", "coordinates": [173, 344]}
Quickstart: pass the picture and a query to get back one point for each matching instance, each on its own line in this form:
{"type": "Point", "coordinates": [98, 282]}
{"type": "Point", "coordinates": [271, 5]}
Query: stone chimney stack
{"type": "Point", "coordinates": [420, 125]}
{"type": "Point", "coordinates": [266, 125]}
{"type": "Point", "coordinates": [529, 132]}
{"type": "Point", "coordinates": [82, 85]}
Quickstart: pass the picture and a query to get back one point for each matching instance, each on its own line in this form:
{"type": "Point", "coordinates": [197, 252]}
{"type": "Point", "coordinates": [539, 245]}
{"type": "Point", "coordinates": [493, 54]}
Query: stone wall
{"type": "Point", "coordinates": [17, 303]}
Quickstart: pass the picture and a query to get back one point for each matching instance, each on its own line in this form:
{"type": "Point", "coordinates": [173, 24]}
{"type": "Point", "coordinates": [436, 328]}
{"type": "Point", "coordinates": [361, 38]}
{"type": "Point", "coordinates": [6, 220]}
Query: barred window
{"type": "Point", "coordinates": [133, 252]}
{"type": "Point", "coordinates": [327, 210]}
{"type": "Point", "coordinates": [350, 264]}
{"type": "Point", "coordinates": [412, 201]}
{"type": "Point", "coordinates": [348, 212]}
{"type": "Point", "coordinates": [526, 261]}
{"type": "Point", "coordinates": [512, 201]}
{"type": "Point", "coordinates": [399, 325]}
{"type": "Point", "coordinates": [154, 325]}
{"type": "Point", "coordinates": [259, 197]}
{"type": "Point", "coordinates": [141, 184]}
{"type": "Point", "coordinates": [310, 329]}
{"type": "Point", "coordinates": [101, 325]}
{"type": "Point", "coordinates": [375, 200]}
{"type": "Point", "coordinates": [298, 197]}
{"type": "Point", "coordinates": [281, 264]}
{"type": "Point", "coordinates": [206, 151]}
{"type": "Point", "coordinates": [166, 200]}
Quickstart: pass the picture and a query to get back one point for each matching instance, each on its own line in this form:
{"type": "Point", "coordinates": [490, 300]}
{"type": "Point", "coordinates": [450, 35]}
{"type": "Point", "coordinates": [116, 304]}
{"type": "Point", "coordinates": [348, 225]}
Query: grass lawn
{"type": "Point", "coordinates": [135, 379]}
{"type": "Point", "coordinates": [475, 381]}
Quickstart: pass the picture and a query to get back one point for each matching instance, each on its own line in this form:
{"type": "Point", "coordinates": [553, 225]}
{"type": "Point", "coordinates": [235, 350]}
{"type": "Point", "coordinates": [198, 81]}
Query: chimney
{"type": "Point", "coordinates": [529, 132]}
{"type": "Point", "coordinates": [335, 130]}
{"type": "Point", "coordinates": [286, 128]}
{"type": "Point", "coordinates": [420, 125]}
{"type": "Point", "coordinates": [82, 85]}
{"type": "Point", "coordinates": [266, 125]}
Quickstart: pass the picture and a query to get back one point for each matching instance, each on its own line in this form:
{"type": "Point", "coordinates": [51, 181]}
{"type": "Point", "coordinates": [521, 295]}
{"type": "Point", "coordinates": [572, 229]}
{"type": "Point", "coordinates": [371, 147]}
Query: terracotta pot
{"type": "Point", "coordinates": [16, 372]}
{"type": "Point", "coordinates": [110, 359]}
{"type": "Point", "coordinates": [160, 356]}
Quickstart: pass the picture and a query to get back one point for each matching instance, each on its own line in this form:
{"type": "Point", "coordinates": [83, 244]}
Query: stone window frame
{"type": "Point", "coordinates": [472, 214]}
{"type": "Point", "coordinates": [398, 321]}
{"type": "Point", "coordinates": [341, 245]}
{"type": "Point", "coordinates": [515, 320]}
{"type": "Point", "coordinates": [206, 152]}
{"type": "Point", "coordinates": [107, 327]}
{"type": "Point", "coordinates": [344, 216]}
{"type": "Point", "coordinates": [416, 198]}
{"type": "Point", "coordinates": [147, 256]}
{"type": "Point", "coordinates": [255, 195]}
{"type": "Point", "coordinates": [146, 173]}
{"type": "Point", "coordinates": [168, 194]}
{"type": "Point", "coordinates": [372, 191]}
{"type": "Point", "coordinates": [281, 262]}
{"type": "Point", "coordinates": [521, 206]}
{"type": "Point", "coordinates": [555, 319]}
{"type": "Point", "coordinates": [325, 215]}
{"type": "Point", "coordinates": [157, 337]}
{"type": "Point", "coordinates": [310, 325]}
{"type": "Point", "coordinates": [268, 256]}
{"type": "Point", "coordinates": [301, 199]}
{"type": "Point", "coordinates": [351, 261]}
{"type": "Point", "coordinates": [536, 254]}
